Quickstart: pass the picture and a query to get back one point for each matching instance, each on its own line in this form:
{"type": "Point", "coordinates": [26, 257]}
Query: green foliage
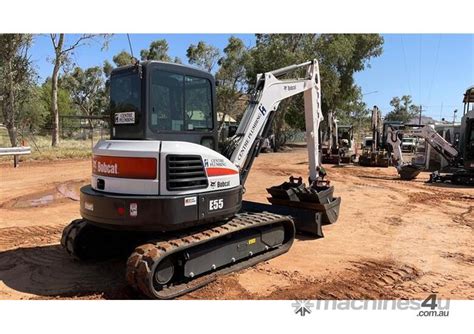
{"type": "Point", "coordinates": [158, 50]}
{"type": "Point", "coordinates": [87, 90]}
{"type": "Point", "coordinates": [107, 68]}
{"type": "Point", "coordinates": [63, 49]}
{"type": "Point", "coordinates": [339, 55]}
{"type": "Point", "coordinates": [121, 59]}
{"type": "Point", "coordinates": [232, 78]}
{"type": "Point", "coordinates": [65, 106]}
{"type": "Point", "coordinates": [232, 71]}
{"type": "Point", "coordinates": [403, 109]}
{"type": "Point", "coordinates": [203, 55]}
{"type": "Point", "coordinates": [17, 77]}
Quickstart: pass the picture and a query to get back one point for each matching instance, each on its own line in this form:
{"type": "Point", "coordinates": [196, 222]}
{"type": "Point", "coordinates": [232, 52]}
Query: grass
{"type": "Point", "coordinates": [41, 149]}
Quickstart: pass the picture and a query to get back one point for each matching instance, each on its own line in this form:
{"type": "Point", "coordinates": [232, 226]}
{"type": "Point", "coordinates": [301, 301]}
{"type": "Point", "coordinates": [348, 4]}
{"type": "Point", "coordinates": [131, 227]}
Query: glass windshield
{"type": "Point", "coordinates": [198, 106]}
{"type": "Point", "coordinates": [179, 102]}
{"type": "Point", "coordinates": [125, 93]}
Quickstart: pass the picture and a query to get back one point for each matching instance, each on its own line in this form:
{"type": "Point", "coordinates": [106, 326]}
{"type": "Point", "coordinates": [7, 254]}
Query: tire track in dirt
{"type": "Point", "coordinates": [50, 271]}
{"type": "Point", "coordinates": [11, 237]}
{"type": "Point", "coordinates": [465, 218]}
{"type": "Point", "coordinates": [46, 270]}
{"type": "Point", "coordinates": [459, 258]}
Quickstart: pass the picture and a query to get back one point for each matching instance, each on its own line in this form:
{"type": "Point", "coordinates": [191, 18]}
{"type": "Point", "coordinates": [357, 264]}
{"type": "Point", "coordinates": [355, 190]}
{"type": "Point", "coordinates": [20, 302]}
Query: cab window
{"type": "Point", "coordinates": [180, 103]}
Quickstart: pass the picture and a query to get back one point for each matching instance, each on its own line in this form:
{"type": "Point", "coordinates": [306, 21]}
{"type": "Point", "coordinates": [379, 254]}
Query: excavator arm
{"type": "Point", "coordinates": [257, 119]}
{"type": "Point", "coordinates": [439, 144]}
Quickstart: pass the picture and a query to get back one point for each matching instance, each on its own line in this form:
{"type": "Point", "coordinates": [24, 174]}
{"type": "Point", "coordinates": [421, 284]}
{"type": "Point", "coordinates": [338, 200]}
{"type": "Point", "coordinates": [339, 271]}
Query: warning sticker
{"type": "Point", "coordinates": [188, 201]}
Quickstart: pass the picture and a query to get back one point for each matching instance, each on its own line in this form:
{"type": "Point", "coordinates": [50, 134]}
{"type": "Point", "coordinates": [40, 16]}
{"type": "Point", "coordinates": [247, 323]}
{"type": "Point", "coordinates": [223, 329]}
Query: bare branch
{"type": "Point", "coordinates": [79, 43]}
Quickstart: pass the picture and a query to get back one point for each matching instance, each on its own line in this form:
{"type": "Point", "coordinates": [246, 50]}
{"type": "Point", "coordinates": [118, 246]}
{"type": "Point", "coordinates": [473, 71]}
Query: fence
{"type": "Point", "coordinates": [15, 152]}
{"type": "Point", "coordinates": [85, 127]}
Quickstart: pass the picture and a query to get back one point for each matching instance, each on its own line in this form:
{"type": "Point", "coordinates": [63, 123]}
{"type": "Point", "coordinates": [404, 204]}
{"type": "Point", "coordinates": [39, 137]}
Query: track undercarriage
{"type": "Point", "coordinates": [167, 266]}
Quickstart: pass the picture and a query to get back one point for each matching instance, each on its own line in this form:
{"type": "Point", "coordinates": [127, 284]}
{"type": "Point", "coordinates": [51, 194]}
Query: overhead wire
{"type": "Point", "coordinates": [407, 73]}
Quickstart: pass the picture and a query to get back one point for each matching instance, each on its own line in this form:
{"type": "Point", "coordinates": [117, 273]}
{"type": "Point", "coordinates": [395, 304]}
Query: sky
{"type": "Point", "coordinates": [435, 69]}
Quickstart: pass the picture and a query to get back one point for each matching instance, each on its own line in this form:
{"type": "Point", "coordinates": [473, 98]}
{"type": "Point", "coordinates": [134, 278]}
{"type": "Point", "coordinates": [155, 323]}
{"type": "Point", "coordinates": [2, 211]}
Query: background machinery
{"type": "Point", "coordinates": [159, 186]}
{"type": "Point", "coordinates": [345, 135]}
{"type": "Point", "coordinates": [329, 146]}
{"type": "Point", "coordinates": [375, 155]}
{"type": "Point", "coordinates": [461, 160]}
{"type": "Point", "coordinates": [338, 146]}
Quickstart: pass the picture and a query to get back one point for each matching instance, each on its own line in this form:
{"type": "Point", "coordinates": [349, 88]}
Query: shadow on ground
{"type": "Point", "coordinates": [47, 271]}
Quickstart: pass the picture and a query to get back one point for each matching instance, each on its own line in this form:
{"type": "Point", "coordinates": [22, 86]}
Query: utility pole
{"type": "Point", "coordinates": [421, 109]}
{"type": "Point", "coordinates": [454, 128]}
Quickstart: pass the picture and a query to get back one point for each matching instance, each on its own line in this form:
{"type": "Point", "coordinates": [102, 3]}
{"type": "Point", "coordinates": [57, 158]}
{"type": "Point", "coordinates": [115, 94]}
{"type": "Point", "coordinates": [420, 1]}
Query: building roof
{"type": "Point", "coordinates": [424, 120]}
{"type": "Point", "coordinates": [228, 119]}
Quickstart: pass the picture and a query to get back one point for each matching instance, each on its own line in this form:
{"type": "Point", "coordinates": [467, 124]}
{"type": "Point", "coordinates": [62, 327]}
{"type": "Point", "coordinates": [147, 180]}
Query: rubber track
{"type": "Point", "coordinates": [70, 232]}
{"type": "Point", "coordinates": [139, 265]}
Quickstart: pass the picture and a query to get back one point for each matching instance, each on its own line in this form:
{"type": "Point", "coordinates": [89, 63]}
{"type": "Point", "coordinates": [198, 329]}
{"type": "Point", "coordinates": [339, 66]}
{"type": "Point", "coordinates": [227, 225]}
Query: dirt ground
{"type": "Point", "coordinates": [393, 239]}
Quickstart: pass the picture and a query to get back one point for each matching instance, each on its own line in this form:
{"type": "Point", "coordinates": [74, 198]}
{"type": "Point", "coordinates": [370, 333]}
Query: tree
{"type": "Point", "coordinates": [17, 77]}
{"type": "Point", "coordinates": [403, 109]}
{"type": "Point", "coordinates": [203, 55]}
{"type": "Point", "coordinates": [62, 51]}
{"type": "Point", "coordinates": [339, 56]}
{"type": "Point", "coordinates": [122, 58]}
{"type": "Point", "coordinates": [107, 68]}
{"type": "Point", "coordinates": [232, 78]}
{"type": "Point", "coordinates": [87, 90]}
{"type": "Point", "coordinates": [158, 50]}
{"type": "Point", "coordinates": [65, 105]}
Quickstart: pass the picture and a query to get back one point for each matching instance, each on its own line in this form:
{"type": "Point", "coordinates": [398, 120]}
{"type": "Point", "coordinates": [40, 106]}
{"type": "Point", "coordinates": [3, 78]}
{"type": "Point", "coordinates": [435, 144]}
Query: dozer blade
{"type": "Point", "coordinates": [409, 172]}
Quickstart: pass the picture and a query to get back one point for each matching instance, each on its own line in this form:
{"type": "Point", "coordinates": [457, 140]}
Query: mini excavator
{"type": "Point", "coordinates": [162, 192]}
{"type": "Point", "coordinates": [461, 160]}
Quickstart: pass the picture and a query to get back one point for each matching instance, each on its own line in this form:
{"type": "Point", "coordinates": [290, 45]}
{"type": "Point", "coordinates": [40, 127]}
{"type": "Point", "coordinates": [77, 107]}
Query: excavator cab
{"type": "Point", "coordinates": [163, 101]}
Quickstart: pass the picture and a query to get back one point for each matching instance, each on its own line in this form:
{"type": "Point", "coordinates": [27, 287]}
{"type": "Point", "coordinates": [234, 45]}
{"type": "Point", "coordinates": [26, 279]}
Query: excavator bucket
{"type": "Point", "coordinates": [409, 172]}
{"type": "Point", "coordinates": [307, 221]}
{"type": "Point", "coordinates": [296, 190]}
{"type": "Point", "coordinates": [315, 201]}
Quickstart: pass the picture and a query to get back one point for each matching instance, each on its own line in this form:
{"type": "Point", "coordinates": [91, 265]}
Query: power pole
{"type": "Point", "coordinates": [421, 109]}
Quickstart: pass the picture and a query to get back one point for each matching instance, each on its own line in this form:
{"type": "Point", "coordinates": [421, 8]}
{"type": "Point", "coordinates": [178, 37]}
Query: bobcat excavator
{"type": "Point", "coordinates": [160, 186]}
{"type": "Point", "coordinates": [376, 155]}
{"type": "Point", "coordinates": [461, 163]}
{"type": "Point", "coordinates": [339, 142]}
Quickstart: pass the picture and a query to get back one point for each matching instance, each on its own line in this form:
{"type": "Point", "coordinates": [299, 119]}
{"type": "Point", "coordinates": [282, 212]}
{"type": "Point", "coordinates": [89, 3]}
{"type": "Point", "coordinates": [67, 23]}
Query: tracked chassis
{"type": "Point", "coordinates": [170, 266]}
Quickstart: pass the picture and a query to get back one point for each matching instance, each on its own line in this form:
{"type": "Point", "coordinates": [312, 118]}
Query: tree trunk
{"type": "Point", "coordinates": [54, 105]}
{"type": "Point", "coordinates": [54, 91]}
{"type": "Point", "coordinates": [9, 103]}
